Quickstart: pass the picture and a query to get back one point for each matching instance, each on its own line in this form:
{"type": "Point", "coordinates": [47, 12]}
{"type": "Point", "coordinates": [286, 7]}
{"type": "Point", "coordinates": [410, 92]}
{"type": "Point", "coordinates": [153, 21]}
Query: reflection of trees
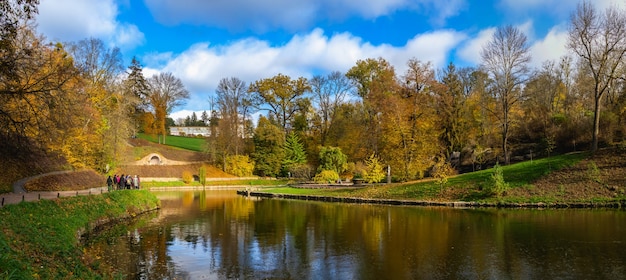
{"type": "Point", "coordinates": [234, 237]}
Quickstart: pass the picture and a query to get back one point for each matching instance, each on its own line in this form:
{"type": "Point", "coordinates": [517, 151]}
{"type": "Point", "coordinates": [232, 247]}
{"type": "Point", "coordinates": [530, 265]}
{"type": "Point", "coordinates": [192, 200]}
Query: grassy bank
{"type": "Point", "coordinates": [41, 240]}
{"type": "Point", "coordinates": [559, 179]}
{"type": "Point", "coordinates": [188, 143]}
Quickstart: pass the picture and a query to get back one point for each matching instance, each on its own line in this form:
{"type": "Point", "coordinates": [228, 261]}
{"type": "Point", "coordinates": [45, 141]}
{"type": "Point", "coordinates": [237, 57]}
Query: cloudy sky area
{"type": "Point", "coordinates": [203, 41]}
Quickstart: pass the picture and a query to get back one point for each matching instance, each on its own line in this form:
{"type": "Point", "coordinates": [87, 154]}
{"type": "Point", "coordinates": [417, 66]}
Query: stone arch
{"type": "Point", "coordinates": [154, 160]}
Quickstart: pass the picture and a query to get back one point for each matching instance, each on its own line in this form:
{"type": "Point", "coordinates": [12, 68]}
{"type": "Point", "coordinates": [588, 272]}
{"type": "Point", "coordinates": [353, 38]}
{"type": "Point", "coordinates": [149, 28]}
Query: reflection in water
{"type": "Point", "coordinates": [219, 235]}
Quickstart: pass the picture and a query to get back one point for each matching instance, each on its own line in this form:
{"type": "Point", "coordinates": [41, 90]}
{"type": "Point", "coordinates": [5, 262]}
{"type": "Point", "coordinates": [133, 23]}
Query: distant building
{"type": "Point", "coordinates": [190, 130]}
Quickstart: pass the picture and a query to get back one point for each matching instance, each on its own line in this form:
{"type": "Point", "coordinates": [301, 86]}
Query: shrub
{"type": "Point", "coordinates": [326, 176]}
{"type": "Point", "coordinates": [593, 173]}
{"type": "Point", "coordinates": [498, 186]}
{"type": "Point", "coordinates": [239, 165]}
{"type": "Point", "coordinates": [187, 177]}
{"type": "Point", "coordinates": [303, 171]}
{"type": "Point", "coordinates": [441, 172]}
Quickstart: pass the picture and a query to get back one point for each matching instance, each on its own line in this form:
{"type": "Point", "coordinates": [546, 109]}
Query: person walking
{"type": "Point", "coordinates": [109, 183]}
{"type": "Point", "coordinates": [122, 182]}
{"type": "Point", "coordinates": [136, 182]}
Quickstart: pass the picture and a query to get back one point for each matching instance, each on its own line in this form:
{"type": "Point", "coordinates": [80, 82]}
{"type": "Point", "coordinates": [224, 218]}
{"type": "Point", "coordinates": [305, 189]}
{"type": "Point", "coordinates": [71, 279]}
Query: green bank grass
{"type": "Point", "coordinates": [41, 240]}
{"type": "Point", "coordinates": [464, 187]}
{"type": "Point", "coordinates": [189, 143]}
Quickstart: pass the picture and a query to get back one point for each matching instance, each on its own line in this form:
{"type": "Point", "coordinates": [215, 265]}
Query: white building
{"type": "Point", "coordinates": [190, 130]}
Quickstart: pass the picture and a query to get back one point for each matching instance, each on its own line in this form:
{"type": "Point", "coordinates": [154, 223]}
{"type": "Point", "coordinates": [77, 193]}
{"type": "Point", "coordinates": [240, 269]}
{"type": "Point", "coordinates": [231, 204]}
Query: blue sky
{"type": "Point", "coordinates": [202, 41]}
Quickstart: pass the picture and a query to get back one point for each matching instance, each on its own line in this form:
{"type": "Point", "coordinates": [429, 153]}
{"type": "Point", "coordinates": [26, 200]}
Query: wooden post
{"type": "Point", "coordinates": [22, 198]}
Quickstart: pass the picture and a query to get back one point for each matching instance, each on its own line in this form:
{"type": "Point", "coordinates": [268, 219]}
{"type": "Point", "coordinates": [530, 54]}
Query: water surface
{"type": "Point", "coordinates": [219, 235]}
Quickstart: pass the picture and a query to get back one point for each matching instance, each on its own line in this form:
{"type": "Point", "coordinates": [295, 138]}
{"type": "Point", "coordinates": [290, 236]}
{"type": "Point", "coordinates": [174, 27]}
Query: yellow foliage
{"type": "Point", "coordinates": [187, 177]}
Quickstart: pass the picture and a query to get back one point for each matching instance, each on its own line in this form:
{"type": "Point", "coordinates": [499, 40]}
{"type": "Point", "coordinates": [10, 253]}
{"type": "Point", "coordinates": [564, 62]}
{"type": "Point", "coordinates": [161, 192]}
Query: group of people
{"type": "Point", "coordinates": [123, 182]}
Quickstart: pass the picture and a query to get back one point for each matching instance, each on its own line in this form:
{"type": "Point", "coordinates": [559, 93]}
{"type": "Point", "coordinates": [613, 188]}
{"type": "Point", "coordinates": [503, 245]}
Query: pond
{"type": "Point", "coordinates": [220, 235]}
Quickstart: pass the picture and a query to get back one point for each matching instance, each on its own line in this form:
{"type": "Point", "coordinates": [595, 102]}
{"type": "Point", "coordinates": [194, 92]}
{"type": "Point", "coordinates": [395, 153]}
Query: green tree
{"type": "Point", "coordinates": [332, 158]}
{"type": "Point", "coordinates": [202, 175]}
{"type": "Point", "coordinates": [268, 148]}
{"type": "Point", "coordinates": [453, 119]}
{"type": "Point", "coordinates": [294, 152]}
{"type": "Point", "coordinates": [137, 90]}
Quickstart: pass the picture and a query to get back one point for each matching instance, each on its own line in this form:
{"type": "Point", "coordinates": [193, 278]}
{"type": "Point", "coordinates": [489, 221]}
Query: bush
{"type": "Point", "coordinates": [240, 166]}
{"type": "Point", "coordinates": [302, 171]}
{"type": "Point", "coordinates": [498, 186]}
{"type": "Point", "coordinates": [326, 176]}
{"type": "Point", "coordinates": [187, 177]}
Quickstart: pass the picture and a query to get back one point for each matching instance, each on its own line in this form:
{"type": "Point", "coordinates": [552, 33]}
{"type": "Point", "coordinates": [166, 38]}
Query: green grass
{"type": "Point", "coordinates": [188, 143]}
{"type": "Point", "coordinates": [468, 186]}
{"type": "Point", "coordinates": [39, 239]}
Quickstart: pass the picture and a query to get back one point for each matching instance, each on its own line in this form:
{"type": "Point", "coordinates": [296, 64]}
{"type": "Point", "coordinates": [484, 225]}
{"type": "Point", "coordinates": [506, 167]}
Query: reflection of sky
{"type": "Point", "coordinates": [198, 261]}
{"type": "Point", "coordinates": [336, 241]}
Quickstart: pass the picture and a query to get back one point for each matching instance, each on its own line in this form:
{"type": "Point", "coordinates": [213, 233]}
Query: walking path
{"type": "Point", "coordinates": [20, 194]}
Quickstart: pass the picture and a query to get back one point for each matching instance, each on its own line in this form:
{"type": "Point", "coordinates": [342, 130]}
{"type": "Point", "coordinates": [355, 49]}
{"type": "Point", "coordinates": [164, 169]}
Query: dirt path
{"type": "Point", "coordinates": [20, 194]}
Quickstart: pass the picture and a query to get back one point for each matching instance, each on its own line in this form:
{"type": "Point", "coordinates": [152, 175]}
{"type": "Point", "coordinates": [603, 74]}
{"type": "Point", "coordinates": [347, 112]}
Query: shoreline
{"type": "Point", "coordinates": [453, 204]}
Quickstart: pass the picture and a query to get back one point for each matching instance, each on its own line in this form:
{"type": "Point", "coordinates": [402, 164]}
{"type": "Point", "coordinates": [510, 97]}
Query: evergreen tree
{"type": "Point", "coordinates": [294, 152]}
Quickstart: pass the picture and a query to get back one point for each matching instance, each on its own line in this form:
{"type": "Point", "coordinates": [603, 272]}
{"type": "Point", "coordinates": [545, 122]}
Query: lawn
{"type": "Point", "coordinates": [189, 143]}
{"type": "Point", "coordinates": [521, 178]}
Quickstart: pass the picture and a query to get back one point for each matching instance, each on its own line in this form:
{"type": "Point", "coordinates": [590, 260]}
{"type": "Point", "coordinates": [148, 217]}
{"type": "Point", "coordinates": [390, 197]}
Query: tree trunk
{"type": "Point", "coordinates": [596, 124]}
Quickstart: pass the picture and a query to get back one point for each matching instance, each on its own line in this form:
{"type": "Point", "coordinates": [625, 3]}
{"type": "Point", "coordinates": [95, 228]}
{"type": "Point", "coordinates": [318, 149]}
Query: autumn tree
{"type": "Point", "coordinates": [409, 123]}
{"type": "Point", "coordinates": [166, 92]}
{"type": "Point", "coordinates": [505, 58]}
{"type": "Point", "coordinates": [13, 16]}
{"type": "Point", "coordinates": [373, 79]}
{"type": "Point", "coordinates": [599, 41]}
{"type": "Point", "coordinates": [329, 92]}
{"type": "Point", "coordinates": [38, 100]}
{"type": "Point", "coordinates": [109, 124]}
{"type": "Point", "coordinates": [282, 97]}
{"type": "Point", "coordinates": [233, 101]}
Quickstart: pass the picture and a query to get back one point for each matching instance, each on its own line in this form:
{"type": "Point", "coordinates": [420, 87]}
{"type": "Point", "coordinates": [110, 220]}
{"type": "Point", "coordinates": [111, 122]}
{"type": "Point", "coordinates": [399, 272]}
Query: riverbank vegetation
{"type": "Point", "coordinates": [42, 240]}
{"type": "Point", "coordinates": [571, 178]}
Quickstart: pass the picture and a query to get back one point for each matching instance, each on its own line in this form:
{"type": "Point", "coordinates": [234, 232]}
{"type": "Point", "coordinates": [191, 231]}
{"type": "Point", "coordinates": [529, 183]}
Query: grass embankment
{"type": "Point", "coordinates": [41, 240]}
{"type": "Point", "coordinates": [188, 143]}
{"type": "Point", "coordinates": [529, 182]}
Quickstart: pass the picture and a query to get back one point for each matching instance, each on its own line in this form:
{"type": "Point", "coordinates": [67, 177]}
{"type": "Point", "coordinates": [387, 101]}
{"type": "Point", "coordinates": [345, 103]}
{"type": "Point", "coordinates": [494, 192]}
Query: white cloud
{"type": "Point", "coordinates": [262, 16]}
{"type": "Point", "coordinates": [70, 20]}
{"type": "Point", "coordinates": [202, 65]}
{"type": "Point", "coordinates": [470, 50]}
{"type": "Point", "coordinates": [551, 47]}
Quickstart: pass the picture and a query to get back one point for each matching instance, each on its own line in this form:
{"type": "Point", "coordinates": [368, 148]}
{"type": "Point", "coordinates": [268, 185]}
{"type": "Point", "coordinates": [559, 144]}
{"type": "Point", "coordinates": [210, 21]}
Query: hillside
{"type": "Point", "coordinates": [19, 162]}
